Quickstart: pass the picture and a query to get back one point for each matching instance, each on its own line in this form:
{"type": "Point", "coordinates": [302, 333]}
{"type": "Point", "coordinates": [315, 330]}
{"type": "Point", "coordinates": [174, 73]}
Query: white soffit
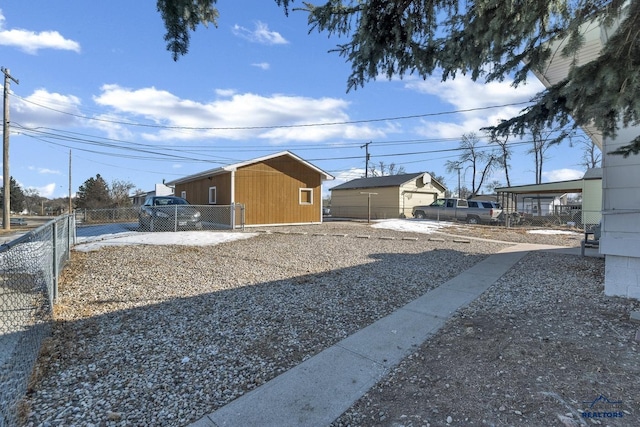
{"type": "Point", "coordinates": [558, 67]}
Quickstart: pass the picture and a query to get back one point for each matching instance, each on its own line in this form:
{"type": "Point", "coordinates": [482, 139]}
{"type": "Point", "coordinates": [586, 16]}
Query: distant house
{"type": "Point", "coordinates": [277, 189]}
{"type": "Point", "coordinates": [160, 190]}
{"type": "Point", "coordinates": [541, 204]}
{"type": "Point", "coordinates": [391, 196]}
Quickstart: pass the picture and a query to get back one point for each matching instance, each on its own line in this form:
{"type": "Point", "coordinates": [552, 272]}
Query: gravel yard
{"type": "Point", "coordinates": [163, 335]}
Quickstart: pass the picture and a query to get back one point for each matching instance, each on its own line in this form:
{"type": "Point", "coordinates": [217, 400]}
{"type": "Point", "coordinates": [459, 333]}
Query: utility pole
{"type": "Point", "coordinates": [367, 157]}
{"type": "Point", "coordinates": [6, 179]}
{"type": "Point", "coordinates": [458, 169]}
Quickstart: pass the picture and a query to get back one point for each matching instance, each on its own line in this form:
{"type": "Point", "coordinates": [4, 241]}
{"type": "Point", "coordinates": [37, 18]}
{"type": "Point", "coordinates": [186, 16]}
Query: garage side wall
{"type": "Point", "coordinates": [279, 191]}
{"type": "Point", "coordinates": [197, 191]}
{"type": "Point", "coordinates": [351, 203]}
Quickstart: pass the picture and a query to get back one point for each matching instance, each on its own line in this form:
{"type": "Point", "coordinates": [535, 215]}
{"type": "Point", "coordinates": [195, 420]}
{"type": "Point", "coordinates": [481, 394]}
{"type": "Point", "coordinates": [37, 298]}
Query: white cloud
{"type": "Point", "coordinates": [45, 171]}
{"type": "Point", "coordinates": [260, 34]}
{"type": "Point", "coordinates": [562, 175]}
{"type": "Point", "coordinates": [464, 94]}
{"type": "Point", "coordinates": [262, 65]}
{"type": "Point", "coordinates": [48, 190]}
{"type": "Point", "coordinates": [43, 109]}
{"type": "Point", "coordinates": [346, 176]}
{"type": "Point", "coordinates": [31, 42]}
{"type": "Point", "coordinates": [238, 116]}
{"type": "Point", "coordinates": [44, 191]}
{"type": "Point", "coordinates": [225, 92]}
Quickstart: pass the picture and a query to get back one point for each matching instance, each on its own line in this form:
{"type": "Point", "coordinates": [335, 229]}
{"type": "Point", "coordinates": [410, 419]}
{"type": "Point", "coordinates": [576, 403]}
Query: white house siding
{"type": "Point", "coordinates": [620, 241]}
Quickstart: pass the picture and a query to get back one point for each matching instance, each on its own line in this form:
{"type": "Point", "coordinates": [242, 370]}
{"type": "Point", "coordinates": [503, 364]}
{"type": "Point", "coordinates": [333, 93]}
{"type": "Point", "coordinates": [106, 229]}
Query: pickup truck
{"type": "Point", "coordinates": [470, 211]}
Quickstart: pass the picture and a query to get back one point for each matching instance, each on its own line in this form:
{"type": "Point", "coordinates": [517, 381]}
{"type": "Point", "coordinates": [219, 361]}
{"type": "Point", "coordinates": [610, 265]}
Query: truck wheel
{"type": "Point", "coordinates": [473, 220]}
{"type": "Point", "coordinates": [419, 215]}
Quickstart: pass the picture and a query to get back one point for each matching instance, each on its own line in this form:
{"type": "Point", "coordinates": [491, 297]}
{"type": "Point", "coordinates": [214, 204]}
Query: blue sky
{"type": "Point", "coordinates": [96, 79]}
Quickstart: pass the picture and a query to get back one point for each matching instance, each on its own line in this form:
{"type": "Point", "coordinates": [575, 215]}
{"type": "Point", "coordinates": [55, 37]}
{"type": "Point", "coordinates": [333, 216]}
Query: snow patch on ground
{"type": "Point", "coordinates": [184, 238]}
{"type": "Point", "coordinates": [412, 225]}
{"type": "Point", "coordinates": [551, 232]}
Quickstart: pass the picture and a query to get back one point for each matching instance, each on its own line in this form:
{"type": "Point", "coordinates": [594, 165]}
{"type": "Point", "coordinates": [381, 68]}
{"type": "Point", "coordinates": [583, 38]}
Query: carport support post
{"type": "Point", "coordinates": [369, 204]}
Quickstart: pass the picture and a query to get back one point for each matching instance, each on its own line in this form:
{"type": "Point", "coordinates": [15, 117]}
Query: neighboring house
{"type": "Point", "coordinates": [160, 190]}
{"type": "Point", "coordinates": [620, 233]}
{"type": "Point", "coordinates": [391, 196]}
{"type": "Point", "coordinates": [552, 195]}
{"type": "Point", "coordinates": [277, 189]}
{"type": "Point", "coordinates": [541, 204]}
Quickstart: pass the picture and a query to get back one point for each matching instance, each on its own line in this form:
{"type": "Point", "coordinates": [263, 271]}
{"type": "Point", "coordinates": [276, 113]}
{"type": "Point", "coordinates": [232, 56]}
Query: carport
{"type": "Point", "coordinates": [590, 186]}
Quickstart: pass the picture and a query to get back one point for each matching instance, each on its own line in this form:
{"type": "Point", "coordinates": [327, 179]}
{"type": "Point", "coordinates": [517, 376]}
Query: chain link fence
{"type": "Point", "coordinates": [98, 222]}
{"type": "Point", "coordinates": [29, 269]}
{"type": "Point", "coordinates": [561, 218]}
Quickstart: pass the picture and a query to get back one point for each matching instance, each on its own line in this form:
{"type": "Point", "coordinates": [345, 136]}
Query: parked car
{"type": "Point", "coordinates": [18, 221]}
{"type": "Point", "coordinates": [168, 213]}
{"type": "Point", "coordinates": [470, 211]}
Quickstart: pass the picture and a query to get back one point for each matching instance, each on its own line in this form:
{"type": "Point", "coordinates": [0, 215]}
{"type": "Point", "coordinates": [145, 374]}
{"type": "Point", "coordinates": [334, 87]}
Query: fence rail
{"type": "Point", "coordinates": [29, 269]}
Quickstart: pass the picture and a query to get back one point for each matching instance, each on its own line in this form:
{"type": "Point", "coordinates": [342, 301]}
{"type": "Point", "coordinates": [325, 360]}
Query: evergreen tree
{"type": "Point", "coordinates": [485, 39]}
{"type": "Point", "coordinates": [93, 194]}
{"type": "Point", "coordinates": [16, 196]}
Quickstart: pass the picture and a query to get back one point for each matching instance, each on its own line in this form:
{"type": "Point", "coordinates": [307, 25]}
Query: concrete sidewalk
{"type": "Point", "coordinates": [319, 390]}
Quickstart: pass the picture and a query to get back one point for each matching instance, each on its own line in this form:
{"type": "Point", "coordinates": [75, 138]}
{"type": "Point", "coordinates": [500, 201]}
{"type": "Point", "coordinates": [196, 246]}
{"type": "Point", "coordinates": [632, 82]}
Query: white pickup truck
{"type": "Point", "coordinates": [470, 211]}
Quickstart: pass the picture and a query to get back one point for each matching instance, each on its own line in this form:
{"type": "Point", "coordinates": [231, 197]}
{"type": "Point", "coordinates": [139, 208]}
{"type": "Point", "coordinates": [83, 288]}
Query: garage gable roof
{"type": "Point", "coordinates": [383, 181]}
{"type": "Point", "coordinates": [236, 166]}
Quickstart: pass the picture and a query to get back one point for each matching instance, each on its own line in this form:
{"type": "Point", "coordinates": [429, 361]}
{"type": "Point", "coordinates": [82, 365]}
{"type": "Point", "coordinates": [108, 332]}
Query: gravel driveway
{"type": "Point", "coordinates": [161, 336]}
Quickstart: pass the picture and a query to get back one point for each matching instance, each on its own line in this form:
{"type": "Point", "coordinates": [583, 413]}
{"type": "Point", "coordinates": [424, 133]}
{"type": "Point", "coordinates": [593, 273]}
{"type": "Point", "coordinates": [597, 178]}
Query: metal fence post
{"type": "Point", "coordinates": [175, 217]}
{"type": "Point", "coordinates": [54, 288]}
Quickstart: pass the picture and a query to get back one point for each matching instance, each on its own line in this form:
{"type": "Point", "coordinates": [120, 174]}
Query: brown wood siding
{"type": "Point", "coordinates": [198, 190]}
{"type": "Point", "coordinates": [270, 191]}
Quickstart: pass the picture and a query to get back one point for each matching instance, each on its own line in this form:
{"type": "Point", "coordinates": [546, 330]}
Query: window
{"type": "Point", "coordinates": [213, 195]}
{"type": "Point", "coordinates": [473, 204]}
{"type": "Point", "coordinates": [183, 194]}
{"type": "Point", "coordinates": [462, 203]}
{"type": "Point", "coordinates": [306, 196]}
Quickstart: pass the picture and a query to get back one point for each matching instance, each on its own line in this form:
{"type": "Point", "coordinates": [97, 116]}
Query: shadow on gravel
{"type": "Point", "coordinates": [173, 359]}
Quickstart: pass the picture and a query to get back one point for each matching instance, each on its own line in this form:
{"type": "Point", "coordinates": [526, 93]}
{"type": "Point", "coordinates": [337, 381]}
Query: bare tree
{"type": "Point", "coordinates": [385, 170]}
{"type": "Point", "coordinates": [32, 200]}
{"type": "Point", "coordinates": [477, 159]}
{"type": "Point", "coordinates": [542, 141]}
{"type": "Point", "coordinates": [505, 154]}
{"type": "Point", "coordinates": [119, 193]}
{"type": "Point", "coordinates": [591, 155]}
{"type": "Point", "coordinates": [491, 186]}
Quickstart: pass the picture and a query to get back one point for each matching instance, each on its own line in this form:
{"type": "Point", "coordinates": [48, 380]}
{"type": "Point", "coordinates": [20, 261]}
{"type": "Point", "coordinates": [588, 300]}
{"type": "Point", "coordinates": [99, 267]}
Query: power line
{"type": "Point", "coordinates": [348, 122]}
